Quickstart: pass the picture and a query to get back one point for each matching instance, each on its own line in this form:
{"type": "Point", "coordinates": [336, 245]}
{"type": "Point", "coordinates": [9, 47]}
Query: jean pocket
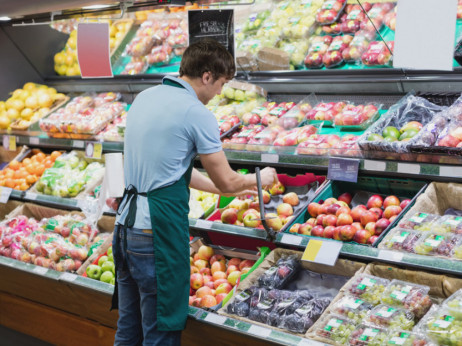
{"type": "Point", "coordinates": [142, 269]}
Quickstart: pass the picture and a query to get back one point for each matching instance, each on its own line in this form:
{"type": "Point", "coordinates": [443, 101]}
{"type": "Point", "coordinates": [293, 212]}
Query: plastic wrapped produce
{"type": "Point", "coordinates": [357, 117]}
{"type": "Point", "coordinates": [442, 327]}
{"type": "Point", "coordinates": [136, 65]}
{"type": "Point", "coordinates": [295, 136]}
{"type": "Point", "coordinates": [280, 274]}
{"type": "Point", "coordinates": [254, 21]}
{"type": "Point", "coordinates": [454, 305]}
{"type": "Point", "coordinates": [352, 307]}
{"type": "Point", "coordinates": [335, 328]}
{"type": "Point", "coordinates": [330, 11]}
{"type": "Point", "coordinates": [297, 51]}
{"type": "Point", "coordinates": [357, 46]}
{"type": "Point", "coordinates": [437, 244]}
{"type": "Point", "coordinates": [367, 287]}
{"type": "Point", "coordinates": [419, 221]}
{"type": "Point", "coordinates": [378, 54]}
{"type": "Point", "coordinates": [354, 18]}
{"type": "Point", "coordinates": [159, 55]}
{"type": "Point", "coordinates": [241, 304]}
{"type": "Point", "coordinates": [333, 56]}
{"type": "Point", "coordinates": [389, 317]}
{"type": "Point", "coordinates": [376, 16]}
{"type": "Point", "coordinates": [318, 48]}
{"type": "Point", "coordinates": [365, 335]}
{"type": "Point", "coordinates": [407, 338]}
{"type": "Point", "coordinates": [140, 46]}
{"type": "Point", "coordinates": [401, 240]}
{"type": "Point", "coordinates": [261, 312]}
{"type": "Point", "coordinates": [305, 316]}
{"type": "Point", "coordinates": [325, 112]}
{"type": "Point", "coordinates": [407, 295]}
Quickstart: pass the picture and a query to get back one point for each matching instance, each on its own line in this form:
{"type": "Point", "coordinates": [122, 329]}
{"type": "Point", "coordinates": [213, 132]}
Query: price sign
{"type": "Point", "coordinates": [215, 319]}
{"type": "Point", "coordinates": [343, 169]}
{"type": "Point", "coordinates": [214, 24]}
{"type": "Point", "coordinates": [30, 196]}
{"type": "Point", "coordinates": [94, 150]}
{"type": "Point", "coordinates": [270, 158]}
{"type": "Point", "coordinates": [40, 270]}
{"type": "Point", "coordinates": [388, 255]}
{"type": "Point", "coordinates": [203, 224]}
{"type": "Point", "coordinates": [5, 193]}
{"type": "Point", "coordinates": [34, 140]}
{"type": "Point", "coordinates": [291, 239]}
{"type": "Point", "coordinates": [379, 166]}
{"type": "Point", "coordinates": [93, 51]}
{"type": "Point", "coordinates": [68, 277]}
{"type": "Point", "coordinates": [259, 331]}
{"type": "Point", "coordinates": [322, 251]}
{"type": "Point", "coordinates": [78, 144]}
{"type": "Point", "coordinates": [9, 143]}
{"type": "Point", "coordinates": [408, 168]}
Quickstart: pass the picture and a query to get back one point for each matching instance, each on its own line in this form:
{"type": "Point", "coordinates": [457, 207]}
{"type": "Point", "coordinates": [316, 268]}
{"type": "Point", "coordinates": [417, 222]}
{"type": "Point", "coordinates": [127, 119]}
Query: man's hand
{"type": "Point", "coordinates": [268, 177]}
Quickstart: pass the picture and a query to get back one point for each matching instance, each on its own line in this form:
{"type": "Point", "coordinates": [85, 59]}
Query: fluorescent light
{"type": "Point", "coordinates": [95, 7]}
{"type": "Point", "coordinates": [5, 19]}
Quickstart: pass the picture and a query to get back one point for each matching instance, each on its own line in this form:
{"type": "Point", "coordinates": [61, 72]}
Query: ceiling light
{"type": "Point", "coordinates": [5, 19]}
{"type": "Point", "coordinates": [95, 7]}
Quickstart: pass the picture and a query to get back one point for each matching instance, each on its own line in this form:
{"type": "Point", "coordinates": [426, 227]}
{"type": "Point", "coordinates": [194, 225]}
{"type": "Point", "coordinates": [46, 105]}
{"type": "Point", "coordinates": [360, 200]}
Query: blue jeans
{"type": "Point", "coordinates": [137, 293]}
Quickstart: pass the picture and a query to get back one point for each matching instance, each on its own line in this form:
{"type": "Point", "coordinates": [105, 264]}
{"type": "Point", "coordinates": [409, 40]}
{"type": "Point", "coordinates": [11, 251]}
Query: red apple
{"type": "Point", "coordinates": [362, 236]}
{"type": "Point", "coordinates": [313, 209]}
{"type": "Point", "coordinates": [320, 219]}
{"type": "Point", "coordinates": [305, 229]}
{"type": "Point", "coordinates": [345, 197]}
{"type": "Point", "coordinates": [372, 239]}
{"type": "Point", "coordinates": [317, 231]}
{"type": "Point", "coordinates": [295, 228]}
{"type": "Point", "coordinates": [218, 266]}
{"type": "Point", "coordinates": [391, 211]}
{"type": "Point", "coordinates": [357, 225]}
{"type": "Point", "coordinates": [330, 201]}
{"type": "Point", "coordinates": [332, 209]}
{"type": "Point", "coordinates": [205, 252]}
{"type": "Point", "coordinates": [329, 232]}
{"type": "Point", "coordinates": [219, 297]}
{"type": "Point", "coordinates": [343, 210]}
{"type": "Point", "coordinates": [404, 203]}
{"type": "Point", "coordinates": [285, 209]}
{"type": "Point", "coordinates": [218, 282]}
{"type": "Point", "coordinates": [347, 233]}
{"type": "Point", "coordinates": [196, 281]}
{"type": "Point", "coordinates": [266, 197]}
{"type": "Point", "coordinates": [229, 216]}
{"type": "Point", "coordinates": [381, 225]}
{"type": "Point", "coordinates": [291, 198]}
{"type": "Point", "coordinates": [205, 271]}
{"type": "Point", "coordinates": [393, 218]}
{"type": "Point", "coordinates": [329, 220]}
{"type": "Point", "coordinates": [336, 234]}
{"type": "Point", "coordinates": [215, 258]}
{"type": "Point", "coordinates": [377, 211]}
{"type": "Point", "coordinates": [370, 227]}
{"type": "Point", "coordinates": [390, 200]}
{"type": "Point", "coordinates": [344, 219]}
{"type": "Point", "coordinates": [356, 212]}
{"type": "Point", "coordinates": [234, 262]}
{"type": "Point", "coordinates": [311, 221]}
{"type": "Point", "coordinates": [375, 201]}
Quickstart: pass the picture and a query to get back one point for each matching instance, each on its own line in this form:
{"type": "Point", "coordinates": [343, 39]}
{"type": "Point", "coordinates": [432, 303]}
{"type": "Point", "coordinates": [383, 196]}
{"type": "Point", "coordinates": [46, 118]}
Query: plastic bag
{"type": "Point", "coordinates": [389, 317]}
{"type": "Point", "coordinates": [333, 56]}
{"type": "Point", "coordinates": [280, 274]}
{"type": "Point", "coordinates": [305, 316]}
{"type": "Point", "coordinates": [136, 65]}
{"type": "Point", "coordinates": [318, 47]}
{"type": "Point", "coordinates": [357, 46]}
{"type": "Point", "coordinates": [378, 54]}
{"type": "Point", "coordinates": [297, 51]}
{"type": "Point", "coordinates": [354, 18]}
{"type": "Point", "coordinates": [330, 11]}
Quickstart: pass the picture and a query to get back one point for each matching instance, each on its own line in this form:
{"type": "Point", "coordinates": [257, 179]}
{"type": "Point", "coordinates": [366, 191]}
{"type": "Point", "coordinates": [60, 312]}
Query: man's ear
{"type": "Point", "coordinates": [207, 78]}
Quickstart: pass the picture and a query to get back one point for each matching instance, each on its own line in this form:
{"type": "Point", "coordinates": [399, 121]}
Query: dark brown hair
{"type": "Point", "coordinates": [207, 55]}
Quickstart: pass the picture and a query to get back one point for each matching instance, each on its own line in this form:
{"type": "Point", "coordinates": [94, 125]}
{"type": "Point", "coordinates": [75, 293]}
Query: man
{"type": "Point", "coordinates": [167, 126]}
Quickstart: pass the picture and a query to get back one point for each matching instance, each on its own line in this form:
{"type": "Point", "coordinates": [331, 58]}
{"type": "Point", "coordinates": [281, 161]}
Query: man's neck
{"type": "Point", "coordinates": [195, 83]}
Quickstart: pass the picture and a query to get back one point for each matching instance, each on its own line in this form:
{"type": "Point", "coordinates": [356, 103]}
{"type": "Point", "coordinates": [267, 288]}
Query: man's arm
{"type": "Point", "coordinates": [201, 182]}
{"type": "Point", "coordinates": [227, 180]}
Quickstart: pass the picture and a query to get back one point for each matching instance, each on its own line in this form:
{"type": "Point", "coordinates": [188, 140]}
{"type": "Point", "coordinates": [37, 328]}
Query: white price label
{"type": "Point", "coordinates": [204, 224]}
{"type": "Point", "coordinates": [372, 332]}
{"type": "Point", "coordinates": [291, 239]}
{"type": "Point", "coordinates": [442, 324]}
{"type": "Point", "coordinates": [94, 150]}
{"type": "Point", "coordinates": [40, 270]}
{"type": "Point", "coordinates": [215, 319]}
{"type": "Point", "coordinates": [270, 158]}
{"type": "Point", "coordinates": [379, 166]}
{"type": "Point", "coordinates": [353, 303]}
{"type": "Point", "coordinates": [34, 140]}
{"type": "Point", "coordinates": [398, 295]}
{"type": "Point", "coordinates": [9, 143]}
{"type": "Point", "coordinates": [385, 312]}
{"type": "Point", "coordinates": [388, 255]}
{"type": "Point", "coordinates": [78, 144]}
{"type": "Point", "coordinates": [5, 193]}
{"type": "Point", "coordinates": [68, 277]}
{"type": "Point", "coordinates": [31, 196]}
{"type": "Point", "coordinates": [259, 331]}
{"type": "Point", "coordinates": [408, 168]}
{"type": "Point", "coordinates": [450, 171]}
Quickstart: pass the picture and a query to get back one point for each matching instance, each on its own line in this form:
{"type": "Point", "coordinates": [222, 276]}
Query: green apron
{"type": "Point", "coordinates": [169, 209]}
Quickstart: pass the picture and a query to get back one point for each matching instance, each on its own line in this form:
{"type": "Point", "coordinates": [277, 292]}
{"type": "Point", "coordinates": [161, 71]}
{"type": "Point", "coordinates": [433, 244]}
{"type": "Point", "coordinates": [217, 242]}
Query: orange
{"type": "Point", "coordinates": [30, 168]}
{"type": "Point", "coordinates": [20, 174]}
{"type": "Point", "coordinates": [23, 186]}
{"type": "Point", "coordinates": [9, 174]}
{"type": "Point", "coordinates": [26, 161]}
{"type": "Point", "coordinates": [30, 179]}
{"type": "Point", "coordinates": [55, 154]}
{"type": "Point", "coordinates": [48, 163]}
{"type": "Point", "coordinates": [39, 169]}
{"type": "Point", "coordinates": [2, 182]}
{"type": "Point", "coordinates": [10, 183]}
{"type": "Point", "coordinates": [40, 157]}
{"type": "Point", "coordinates": [14, 165]}
{"type": "Point", "coordinates": [20, 181]}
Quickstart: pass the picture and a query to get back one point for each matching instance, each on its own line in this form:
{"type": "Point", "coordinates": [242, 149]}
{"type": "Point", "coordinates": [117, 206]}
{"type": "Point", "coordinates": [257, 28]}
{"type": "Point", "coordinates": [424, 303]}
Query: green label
{"type": "Point", "coordinates": [78, 225]}
{"type": "Point", "coordinates": [333, 323]}
{"type": "Point", "coordinates": [400, 238]}
{"type": "Point", "coordinates": [353, 303]}
{"type": "Point", "coordinates": [52, 223]}
{"type": "Point", "coordinates": [336, 45]}
{"type": "Point", "coordinates": [328, 5]}
{"type": "Point", "coordinates": [245, 133]}
{"type": "Point", "coordinates": [421, 216]}
{"type": "Point", "coordinates": [434, 242]}
{"type": "Point", "coordinates": [259, 110]}
{"type": "Point", "coordinates": [366, 282]}
{"type": "Point", "coordinates": [385, 312]}
{"type": "Point", "coordinates": [455, 222]}
{"type": "Point", "coordinates": [316, 47]}
{"type": "Point", "coordinates": [277, 111]}
{"type": "Point", "coordinates": [445, 322]}
{"type": "Point", "coordinates": [353, 14]}
{"type": "Point", "coordinates": [50, 240]}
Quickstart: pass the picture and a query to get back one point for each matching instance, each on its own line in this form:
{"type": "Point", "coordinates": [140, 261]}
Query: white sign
{"type": "Point", "coordinates": [270, 158]}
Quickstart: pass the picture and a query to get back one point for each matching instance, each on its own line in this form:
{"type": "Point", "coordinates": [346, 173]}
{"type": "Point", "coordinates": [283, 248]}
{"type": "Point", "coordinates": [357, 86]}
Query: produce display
{"type": "Point", "coordinates": [84, 116]}
{"type": "Point", "coordinates": [357, 46]}
{"type": "Point", "coordinates": [336, 328]}
{"type": "Point", "coordinates": [442, 327]}
{"type": "Point", "coordinates": [390, 317]}
{"type": "Point", "coordinates": [353, 308]}
{"type": "Point", "coordinates": [365, 335]}
{"type": "Point", "coordinates": [353, 115]}
{"type": "Point", "coordinates": [200, 202]}
{"type": "Point", "coordinates": [438, 244]}
{"type": "Point", "coordinates": [325, 145]}
{"type": "Point", "coordinates": [330, 11]}
{"type": "Point", "coordinates": [368, 288]}
{"type": "Point", "coordinates": [213, 276]}
{"type": "Point", "coordinates": [69, 175]}
{"type": "Point", "coordinates": [21, 175]}
{"type": "Point", "coordinates": [325, 111]}
{"type": "Point", "coordinates": [103, 269]}
{"type": "Point", "coordinates": [28, 105]}
{"type": "Point", "coordinates": [61, 243]}
{"type": "Point", "coordinates": [407, 338]}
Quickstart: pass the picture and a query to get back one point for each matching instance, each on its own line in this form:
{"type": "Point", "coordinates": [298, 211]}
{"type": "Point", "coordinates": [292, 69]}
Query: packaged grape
{"type": "Point", "coordinates": [391, 317]}
{"type": "Point", "coordinates": [299, 27]}
{"type": "Point", "coordinates": [240, 305]}
{"type": "Point", "coordinates": [333, 56]}
{"type": "Point", "coordinates": [408, 338]}
{"type": "Point", "coordinates": [442, 327]}
{"type": "Point", "coordinates": [448, 223]}
{"type": "Point", "coordinates": [412, 297]}
{"type": "Point", "coordinates": [367, 287]}
{"type": "Point", "coordinates": [454, 305]}
{"type": "Point", "coordinates": [280, 274]}
{"type": "Point", "coordinates": [261, 312]}
{"type": "Point", "coordinates": [401, 240]}
{"type": "Point", "coordinates": [297, 51]}
{"type": "Point", "coordinates": [255, 20]}
{"type": "Point", "coordinates": [330, 11]}
{"type": "Point", "coordinates": [159, 55]}
{"type": "Point", "coordinates": [378, 54]}
{"type": "Point", "coordinates": [305, 315]}
{"type": "Point", "coordinates": [352, 307]}
{"type": "Point", "coordinates": [367, 335]}
{"type": "Point", "coordinates": [318, 48]}
{"type": "Point", "coordinates": [419, 221]}
{"type": "Point", "coordinates": [457, 251]}
{"type": "Point", "coordinates": [437, 244]}
{"type": "Point", "coordinates": [335, 328]}
{"type": "Point", "coordinates": [354, 18]}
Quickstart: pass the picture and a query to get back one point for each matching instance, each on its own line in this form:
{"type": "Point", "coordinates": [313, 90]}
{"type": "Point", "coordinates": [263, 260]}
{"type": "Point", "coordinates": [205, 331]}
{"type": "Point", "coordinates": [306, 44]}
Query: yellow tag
{"type": "Point", "coordinates": [94, 150]}
{"type": "Point", "coordinates": [12, 144]}
{"type": "Point", "coordinates": [312, 250]}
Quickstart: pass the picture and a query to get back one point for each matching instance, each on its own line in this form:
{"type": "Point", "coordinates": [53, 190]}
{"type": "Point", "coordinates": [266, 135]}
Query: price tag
{"type": "Point", "coordinates": [450, 171]}
{"type": "Point", "coordinates": [5, 193]}
{"type": "Point", "coordinates": [94, 150]}
{"type": "Point", "coordinates": [408, 168]}
{"type": "Point", "coordinates": [68, 277]}
{"type": "Point", "coordinates": [270, 158]}
{"type": "Point", "coordinates": [31, 196]}
{"type": "Point", "coordinates": [291, 239]}
{"type": "Point", "coordinates": [307, 342]}
{"type": "Point", "coordinates": [40, 270]}
{"type": "Point", "coordinates": [388, 255]}
{"type": "Point", "coordinates": [9, 143]}
{"type": "Point", "coordinates": [259, 331]}
{"type": "Point", "coordinates": [34, 140]}
{"type": "Point", "coordinates": [78, 144]}
{"type": "Point", "coordinates": [322, 251]}
{"type": "Point", "coordinates": [215, 319]}
{"type": "Point", "coordinates": [343, 169]}
{"type": "Point", "coordinates": [379, 166]}
{"type": "Point", "coordinates": [204, 224]}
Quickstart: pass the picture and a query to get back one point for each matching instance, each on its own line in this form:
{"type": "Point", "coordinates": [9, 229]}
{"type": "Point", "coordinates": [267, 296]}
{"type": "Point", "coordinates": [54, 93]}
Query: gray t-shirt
{"type": "Point", "coordinates": [166, 127]}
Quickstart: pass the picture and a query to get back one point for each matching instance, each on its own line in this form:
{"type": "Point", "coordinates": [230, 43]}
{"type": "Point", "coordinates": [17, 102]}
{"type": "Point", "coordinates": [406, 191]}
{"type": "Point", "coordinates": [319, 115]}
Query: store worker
{"type": "Point", "coordinates": [167, 126]}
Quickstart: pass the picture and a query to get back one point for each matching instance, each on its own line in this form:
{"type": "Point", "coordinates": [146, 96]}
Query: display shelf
{"type": "Point", "coordinates": [368, 253]}
{"type": "Point", "coordinates": [205, 225]}
{"type": "Point", "coordinates": [30, 268]}
{"type": "Point", "coordinates": [84, 282]}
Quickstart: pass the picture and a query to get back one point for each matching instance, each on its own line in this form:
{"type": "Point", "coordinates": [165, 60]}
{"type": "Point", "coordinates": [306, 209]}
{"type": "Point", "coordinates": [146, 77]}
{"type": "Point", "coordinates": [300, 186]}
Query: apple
{"type": "Point", "coordinates": [108, 266]}
{"type": "Point", "coordinates": [370, 227]}
{"type": "Point", "coordinates": [295, 227]}
{"type": "Point", "coordinates": [203, 291]}
{"type": "Point", "coordinates": [311, 221]}
{"type": "Point", "coordinates": [277, 189]}
{"type": "Point", "coordinates": [205, 252]}
{"type": "Point", "coordinates": [333, 208]}
{"type": "Point", "coordinates": [215, 258]}
{"type": "Point", "coordinates": [107, 276]}
{"type": "Point", "coordinates": [314, 209]}
{"type": "Point", "coordinates": [372, 239]}
{"type": "Point", "coordinates": [94, 271]}
{"type": "Point", "coordinates": [336, 234]}
{"type": "Point", "coordinates": [317, 231]}
{"type": "Point", "coordinates": [375, 201]}
{"type": "Point", "coordinates": [252, 211]}
{"type": "Point", "coordinates": [218, 266]}
{"type": "Point", "coordinates": [357, 225]}
{"type": "Point", "coordinates": [232, 268]}
{"type": "Point", "coordinates": [393, 218]}
{"type": "Point", "coordinates": [246, 263]}
{"type": "Point", "coordinates": [305, 229]}
{"type": "Point", "coordinates": [252, 220]}
{"type": "Point", "coordinates": [320, 219]}
{"type": "Point", "coordinates": [205, 271]}
{"type": "Point", "coordinates": [201, 264]}
{"type": "Point", "coordinates": [390, 200]}
{"type": "Point", "coordinates": [330, 201]}
{"type": "Point", "coordinates": [381, 225]}
{"type": "Point", "coordinates": [345, 197]}
{"type": "Point", "coordinates": [356, 212]}
{"type": "Point", "coordinates": [208, 301]}
{"type": "Point", "coordinates": [329, 232]}
{"type": "Point", "coordinates": [329, 220]}
{"type": "Point", "coordinates": [245, 270]}
{"type": "Point", "coordinates": [273, 221]}
{"type": "Point", "coordinates": [404, 203]}
{"type": "Point", "coordinates": [218, 282]}
{"type": "Point", "coordinates": [219, 297]}
{"type": "Point", "coordinates": [197, 302]}
{"type": "Point", "coordinates": [224, 288]}
{"type": "Point", "coordinates": [196, 281]}
{"type": "Point", "coordinates": [347, 233]}
{"type": "Point", "coordinates": [229, 216]}
{"type": "Point", "coordinates": [82, 239]}
{"type": "Point", "coordinates": [362, 236]}
{"type": "Point", "coordinates": [196, 257]}
{"type": "Point", "coordinates": [368, 216]}
{"type": "Point", "coordinates": [266, 197]}
{"type": "Point", "coordinates": [291, 198]}
{"type": "Point", "coordinates": [285, 209]}
{"type": "Point", "coordinates": [233, 277]}
{"type": "Point", "coordinates": [344, 219]}
{"type": "Point", "coordinates": [234, 262]}
{"type": "Point", "coordinates": [377, 211]}
{"type": "Point", "coordinates": [343, 210]}
{"type": "Point", "coordinates": [391, 211]}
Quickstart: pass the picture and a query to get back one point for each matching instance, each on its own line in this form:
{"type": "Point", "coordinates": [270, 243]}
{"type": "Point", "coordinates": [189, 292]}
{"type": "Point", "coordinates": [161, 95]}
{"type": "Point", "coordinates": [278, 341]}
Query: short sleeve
{"type": "Point", "coordinates": [202, 127]}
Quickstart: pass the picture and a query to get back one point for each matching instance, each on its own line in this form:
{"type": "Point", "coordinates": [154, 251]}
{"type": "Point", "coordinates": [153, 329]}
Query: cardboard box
{"type": "Point", "coordinates": [270, 59]}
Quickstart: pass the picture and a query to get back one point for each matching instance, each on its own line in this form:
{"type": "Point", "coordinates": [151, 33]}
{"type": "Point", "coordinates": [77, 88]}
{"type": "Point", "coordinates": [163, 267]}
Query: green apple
{"type": "Point", "coordinates": [390, 131]}
{"type": "Point", "coordinates": [108, 266]}
{"type": "Point", "coordinates": [101, 260]}
{"type": "Point", "coordinates": [107, 277]}
{"type": "Point", "coordinates": [390, 139]}
{"type": "Point", "coordinates": [73, 161]}
{"type": "Point", "coordinates": [110, 257]}
{"type": "Point", "coordinates": [408, 134]}
{"type": "Point", "coordinates": [109, 251]}
{"type": "Point", "coordinates": [112, 281]}
{"type": "Point", "coordinates": [82, 165]}
{"type": "Point", "coordinates": [94, 271]}
{"type": "Point", "coordinates": [374, 137]}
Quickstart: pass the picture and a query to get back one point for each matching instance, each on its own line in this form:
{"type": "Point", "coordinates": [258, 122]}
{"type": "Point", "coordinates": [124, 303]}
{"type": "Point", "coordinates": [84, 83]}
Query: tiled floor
{"type": "Point", "coordinates": [9, 337]}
